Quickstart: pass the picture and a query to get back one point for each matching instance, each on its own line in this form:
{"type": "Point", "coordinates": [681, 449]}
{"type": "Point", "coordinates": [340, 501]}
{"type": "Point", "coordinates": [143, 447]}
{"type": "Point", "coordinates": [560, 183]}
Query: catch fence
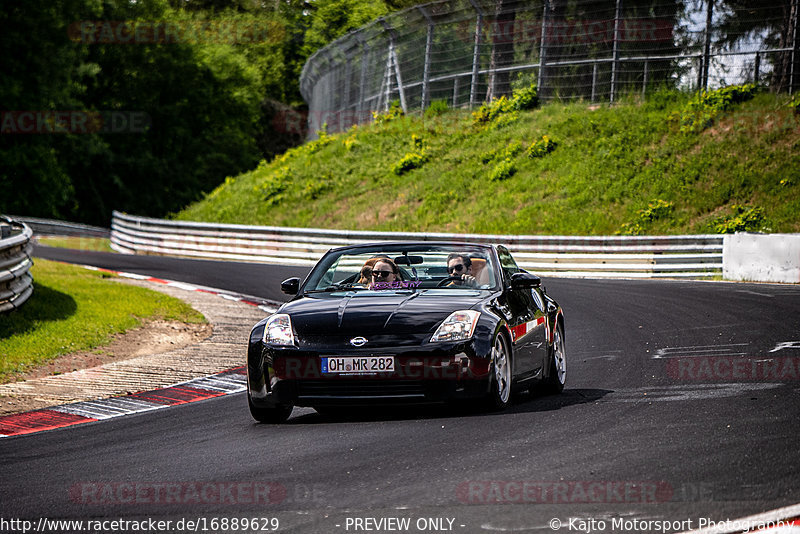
{"type": "Point", "coordinates": [465, 52]}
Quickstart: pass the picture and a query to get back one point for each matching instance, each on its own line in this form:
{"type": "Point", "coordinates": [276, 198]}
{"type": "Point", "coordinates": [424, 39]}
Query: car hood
{"type": "Point", "coordinates": [372, 312]}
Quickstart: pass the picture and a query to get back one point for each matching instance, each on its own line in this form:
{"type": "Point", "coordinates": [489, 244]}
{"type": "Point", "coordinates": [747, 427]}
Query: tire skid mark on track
{"type": "Point", "coordinates": [224, 383]}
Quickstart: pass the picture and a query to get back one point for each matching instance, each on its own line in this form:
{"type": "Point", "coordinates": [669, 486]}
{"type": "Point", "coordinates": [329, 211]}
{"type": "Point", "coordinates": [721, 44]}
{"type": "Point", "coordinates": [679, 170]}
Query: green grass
{"type": "Point", "coordinates": [609, 164]}
{"type": "Point", "coordinates": [75, 309]}
{"type": "Point", "coordinates": [100, 244]}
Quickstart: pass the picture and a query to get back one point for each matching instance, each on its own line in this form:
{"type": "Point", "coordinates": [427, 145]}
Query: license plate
{"type": "Point", "coordinates": [357, 364]}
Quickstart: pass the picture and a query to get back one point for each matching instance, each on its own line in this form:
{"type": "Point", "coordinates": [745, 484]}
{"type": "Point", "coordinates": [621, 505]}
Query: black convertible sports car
{"type": "Point", "coordinates": [414, 322]}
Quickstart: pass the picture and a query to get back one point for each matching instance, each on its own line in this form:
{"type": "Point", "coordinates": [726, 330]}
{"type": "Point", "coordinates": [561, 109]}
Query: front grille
{"type": "Point", "coordinates": [366, 388]}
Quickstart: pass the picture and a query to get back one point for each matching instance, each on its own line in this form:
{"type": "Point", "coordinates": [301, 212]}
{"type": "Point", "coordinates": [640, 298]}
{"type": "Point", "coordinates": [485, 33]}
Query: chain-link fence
{"type": "Point", "coordinates": [466, 52]}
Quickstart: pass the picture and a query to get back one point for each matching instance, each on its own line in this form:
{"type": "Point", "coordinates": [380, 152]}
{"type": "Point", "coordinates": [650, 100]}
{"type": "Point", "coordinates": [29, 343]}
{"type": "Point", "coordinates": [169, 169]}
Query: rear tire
{"type": "Point", "coordinates": [554, 383]}
{"type": "Point", "coordinates": [499, 395]}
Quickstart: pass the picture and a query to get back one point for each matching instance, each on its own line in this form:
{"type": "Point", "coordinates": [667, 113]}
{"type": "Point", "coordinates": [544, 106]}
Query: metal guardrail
{"type": "Point", "coordinates": [696, 256]}
{"type": "Point", "coordinates": [16, 282]}
{"type": "Point", "coordinates": [61, 228]}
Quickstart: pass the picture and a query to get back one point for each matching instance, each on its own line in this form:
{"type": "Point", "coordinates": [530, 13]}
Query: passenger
{"type": "Point", "coordinates": [384, 272]}
{"type": "Point", "coordinates": [366, 270]}
{"type": "Point", "coordinates": [459, 266]}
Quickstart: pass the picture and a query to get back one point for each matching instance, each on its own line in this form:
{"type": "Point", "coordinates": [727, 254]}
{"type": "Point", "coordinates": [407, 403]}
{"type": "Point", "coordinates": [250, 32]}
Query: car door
{"type": "Point", "coordinates": [526, 320]}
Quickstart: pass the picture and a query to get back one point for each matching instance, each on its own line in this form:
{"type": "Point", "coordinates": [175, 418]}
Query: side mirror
{"type": "Point", "coordinates": [290, 286]}
{"type": "Point", "coordinates": [525, 281]}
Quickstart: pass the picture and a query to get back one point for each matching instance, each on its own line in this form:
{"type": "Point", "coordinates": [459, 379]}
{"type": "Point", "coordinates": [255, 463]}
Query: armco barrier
{"type": "Point", "coordinates": [61, 228]}
{"type": "Point", "coordinates": [697, 256]}
{"type": "Point", "coordinates": [16, 282]}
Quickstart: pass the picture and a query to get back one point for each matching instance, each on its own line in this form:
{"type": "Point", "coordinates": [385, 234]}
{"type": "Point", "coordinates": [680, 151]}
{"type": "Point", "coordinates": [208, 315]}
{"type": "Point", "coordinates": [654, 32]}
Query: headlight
{"type": "Point", "coordinates": [458, 326]}
{"type": "Point", "coordinates": [278, 330]}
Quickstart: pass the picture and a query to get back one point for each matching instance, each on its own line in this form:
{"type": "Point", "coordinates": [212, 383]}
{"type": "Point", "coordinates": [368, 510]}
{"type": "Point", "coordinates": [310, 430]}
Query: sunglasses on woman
{"type": "Point", "coordinates": [381, 274]}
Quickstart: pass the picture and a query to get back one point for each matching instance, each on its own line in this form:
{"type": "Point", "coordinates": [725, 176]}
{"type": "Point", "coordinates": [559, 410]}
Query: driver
{"type": "Point", "coordinates": [459, 267]}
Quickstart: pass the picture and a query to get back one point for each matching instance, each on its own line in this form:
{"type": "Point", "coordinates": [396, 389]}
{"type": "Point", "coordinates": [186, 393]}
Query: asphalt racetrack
{"type": "Point", "coordinates": [682, 407]}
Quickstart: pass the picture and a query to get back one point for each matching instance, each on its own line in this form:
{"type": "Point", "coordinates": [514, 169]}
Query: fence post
{"type": "Point", "coordinates": [615, 51]}
{"type": "Point", "coordinates": [473, 88]}
{"type": "Point", "coordinates": [346, 99]}
{"type": "Point", "coordinates": [393, 64]}
{"type": "Point", "coordinates": [699, 72]}
{"type": "Point", "coordinates": [757, 68]}
{"type": "Point", "coordinates": [364, 63]}
{"type": "Point", "coordinates": [707, 45]}
{"type": "Point", "coordinates": [543, 47]}
{"type": "Point", "coordinates": [455, 91]}
{"type": "Point", "coordinates": [795, 47]}
{"type": "Point", "coordinates": [426, 69]}
{"type": "Point", "coordinates": [594, 81]}
{"type": "Point", "coordinates": [644, 81]}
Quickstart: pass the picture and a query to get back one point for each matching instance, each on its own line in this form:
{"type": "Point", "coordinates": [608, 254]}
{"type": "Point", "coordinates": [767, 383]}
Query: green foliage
{"type": "Point", "coordinates": [492, 110]}
{"type": "Point", "coordinates": [700, 113]}
{"type": "Point", "coordinates": [504, 152]}
{"type": "Point", "coordinates": [394, 112]}
{"type": "Point", "coordinates": [275, 184]}
{"type": "Point", "coordinates": [655, 210]}
{"type": "Point", "coordinates": [525, 98]}
{"type": "Point", "coordinates": [742, 219]}
{"type": "Point", "coordinates": [658, 209]}
{"type": "Point", "coordinates": [412, 160]}
{"type": "Point", "coordinates": [504, 170]}
{"type": "Point", "coordinates": [436, 108]}
{"type": "Point", "coordinates": [794, 103]}
{"type": "Point", "coordinates": [619, 160]}
{"type": "Point", "coordinates": [502, 111]}
{"type": "Point", "coordinates": [541, 147]}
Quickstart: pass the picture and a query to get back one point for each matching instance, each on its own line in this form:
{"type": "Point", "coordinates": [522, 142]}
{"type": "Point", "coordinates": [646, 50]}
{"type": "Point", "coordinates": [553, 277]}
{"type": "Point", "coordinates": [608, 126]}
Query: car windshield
{"type": "Point", "coordinates": [405, 267]}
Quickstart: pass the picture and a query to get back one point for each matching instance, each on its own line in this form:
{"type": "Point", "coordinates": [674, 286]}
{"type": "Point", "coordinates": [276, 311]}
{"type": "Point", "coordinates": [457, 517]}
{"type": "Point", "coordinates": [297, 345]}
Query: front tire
{"type": "Point", "coordinates": [500, 392]}
{"type": "Point", "coordinates": [554, 383]}
{"type": "Point", "coordinates": [272, 415]}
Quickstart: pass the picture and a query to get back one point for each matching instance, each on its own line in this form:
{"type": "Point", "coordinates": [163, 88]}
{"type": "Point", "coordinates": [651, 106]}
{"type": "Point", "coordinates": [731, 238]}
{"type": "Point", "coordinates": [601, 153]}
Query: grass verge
{"type": "Point", "coordinates": [569, 169]}
{"type": "Point", "coordinates": [76, 309]}
{"type": "Point", "coordinates": [98, 244]}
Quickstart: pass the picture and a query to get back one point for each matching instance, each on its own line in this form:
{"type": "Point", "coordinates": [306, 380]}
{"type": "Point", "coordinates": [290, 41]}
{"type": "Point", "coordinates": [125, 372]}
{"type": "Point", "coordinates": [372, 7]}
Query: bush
{"type": "Point", "coordinates": [394, 112]}
{"type": "Point", "coordinates": [502, 171]}
{"type": "Point", "coordinates": [542, 147]}
{"type": "Point", "coordinates": [437, 107]}
{"type": "Point", "coordinates": [275, 184]}
{"type": "Point", "coordinates": [743, 219]}
{"type": "Point", "coordinates": [657, 209]}
{"type": "Point", "coordinates": [700, 113]}
{"type": "Point", "coordinates": [525, 98]}
{"type": "Point", "coordinates": [508, 152]}
{"type": "Point", "coordinates": [410, 161]}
